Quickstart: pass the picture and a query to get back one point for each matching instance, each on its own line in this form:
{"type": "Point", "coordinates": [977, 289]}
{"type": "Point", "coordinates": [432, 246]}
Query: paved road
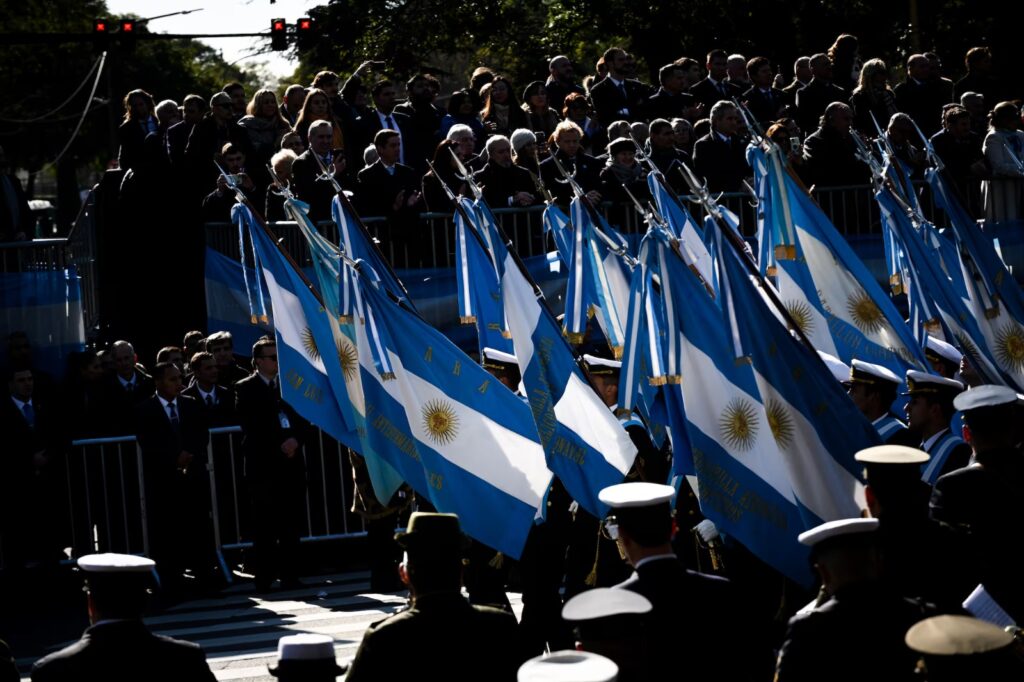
{"type": "Point", "coordinates": [239, 630]}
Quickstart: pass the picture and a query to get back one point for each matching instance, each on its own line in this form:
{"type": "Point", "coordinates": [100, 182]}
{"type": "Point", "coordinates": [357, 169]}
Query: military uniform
{"type": "Point", "coordinates": [948, 453]}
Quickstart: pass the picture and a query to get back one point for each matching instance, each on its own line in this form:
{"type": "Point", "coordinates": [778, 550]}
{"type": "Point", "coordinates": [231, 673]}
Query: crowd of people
{"type": "Point", "coordinates": [707, 605]}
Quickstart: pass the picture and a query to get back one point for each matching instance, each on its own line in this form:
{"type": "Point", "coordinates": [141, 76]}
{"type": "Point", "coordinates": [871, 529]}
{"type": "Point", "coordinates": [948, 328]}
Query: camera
{"type": "Point", "coordinates": [794, 143]}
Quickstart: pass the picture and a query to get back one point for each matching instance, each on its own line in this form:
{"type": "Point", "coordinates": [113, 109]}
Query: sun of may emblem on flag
{"type": "Point", "coordinates": [309, 343]}
{"type": "Point", "coordinates": [967, 346]}
{"type": "Point", "coordinates": [348, 357]}
{"type": "Point", "coordinates": [441, 422]}
{"type": "Point", "coordinates": [1010, 346]}
{"type": "Point", "coordinates": [739, 424]}
{"type": "Point", "coordinates": [865, 312]}
{"type": "Point", "coordinates": [780, 423]}
{"type": "Point", "coordinates": [801, 314]}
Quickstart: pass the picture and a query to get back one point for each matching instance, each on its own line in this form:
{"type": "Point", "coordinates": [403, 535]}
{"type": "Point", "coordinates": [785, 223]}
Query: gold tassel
{"type": "Point", "coordinates": [623, 412]}
{"type": "Point", "coordinates": [344, 319]}
{"type": "Point", "coordinates": [673, 379]}
{"type": "Point", "coordinates": [505, 334]}
{"type": "Point", "coordinates": [772, 271]}
{"type": "Point", "coordinates": [785, 252]}
{"type": "Point", "coordinates": [744, 360]}
{"type": "Point", "coordinates": [387, 376]}
{"type": "Point", "coordinates": [591, 311]}
{"type": "Point", "coordinates": [658, 381]}
{"type": "Point", "coordinates": [932, 325]}
{"type": "Point", "coordinates": [264, 319]}
{"type": "Point", "coordinates": [591, 578]}
{"type": "Point", "coordinates": [617, 352]}
{"type": "Point", "coordinates": [252, 319]}
{"type": "Point", "coordinates": [467, 319]}
{"type": "Point", "coordinates": [574, 337]}
{"type": "Point", "coordinates": [497, 562]}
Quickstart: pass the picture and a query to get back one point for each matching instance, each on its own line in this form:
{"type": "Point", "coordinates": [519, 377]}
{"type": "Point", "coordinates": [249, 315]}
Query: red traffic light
{"type": "Point", "coordinates": [277, 25]}
{"type": "Point", "coordinates": [278, 35]}
{"type": "Point", "coordinates": [127, 26]}
{"type": "Point", "coordinates": [99, 26]}
{"type": "Point", "coordinates": [305, 24]}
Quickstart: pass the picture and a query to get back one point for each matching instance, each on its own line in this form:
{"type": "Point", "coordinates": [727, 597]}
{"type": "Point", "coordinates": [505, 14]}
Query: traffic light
{"type": "Point", "coordinates": [100, 35]}
{"type": "Point", "coordinates": [126, 35]}
{"type": "Point", "coordinates": [278, 35]}
{"type": "Point", "coordinates": [304, 34]}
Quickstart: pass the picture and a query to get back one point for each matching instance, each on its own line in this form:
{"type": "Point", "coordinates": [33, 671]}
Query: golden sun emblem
{"type": "Point", "coordinates": [801, 314]}
{"type": "Point", "coordinates": [865, 312]}
{"type": "Point", "coordinates": [780, 423]}
{"type": "Point", "coordinates": [967, 346]}
{"type": "Point", "coordinates": [1010, 346]}
{"type": "Point", "coordinates": [738, 424]}
{"type": "Point", "coordinates": [348, 357]}
{"type": "Point", "coordinates": [309, 343]}
{"type": "Point", "coordinates": [441, 422]}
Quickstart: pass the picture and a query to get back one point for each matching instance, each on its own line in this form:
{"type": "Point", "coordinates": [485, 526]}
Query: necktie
{"type": "Point", "coordinates": [130, 386]}
{"type": "Point", "coordinates": [390, 122]}
{"type": "Point", "coordinates": [172, 414]}
{"type": "Point", "coordinates": [30, 415]}
{"type": "Point", "coordinates": [209, 400]}
{"type": "Point", "coordinates": [721, 88]}
{"type": "Point", "coordinates": [622, 89]}
{"type": "Point", "coordinates": [273, 384]}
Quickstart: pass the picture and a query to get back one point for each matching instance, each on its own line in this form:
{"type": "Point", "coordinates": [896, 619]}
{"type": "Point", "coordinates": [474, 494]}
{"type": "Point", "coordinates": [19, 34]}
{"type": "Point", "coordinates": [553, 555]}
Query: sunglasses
{"type": "Point", "coordinates": [267, 357]}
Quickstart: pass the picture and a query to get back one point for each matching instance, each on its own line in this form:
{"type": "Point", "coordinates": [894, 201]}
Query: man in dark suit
{"type": "Point", "coordinates": [217, 204]}
{"type": "Point", "coordinates": [15, 217]}
{"type": "Point", "coordinates": [117, 645]}
{"type": "Point", "coordinates": [719, 156]}
{"type": "Point", "coordinates": [222, 346]}
{"type": "Point", "coordinates": [217, 401]}
{"type": "Point", "coordinates": [640, 520]}
{"type": "Point", "coordinates": [309, 183]}
{"type": "Point", "coordinates": [172, 432]}
{"type": "Point", "coordinates": [440, 625]}
{"type": "Point", "coordinates": [384, 117]}
{"type": "Point", "coordinates": [272, 435]}
{"type": "Point", "coordinates": [505, 184]}
{"type": "Point", "coordinates": [764, 102]}
{"type": "Point", "coordinates": [585, 168]}
{"type": "Point", "coordinates": [979, 77]}
{"type": "Point", "coordinates": [830, 154]}
{"type": "Point", "coordinates": [980, 506]}
{"type": "Point", "coordinates": [422, 121]}
{"type": "Point", "coordinates": [561, 82]}
{"type": "Point", "coordinates": [617, 96]}
{"type": "Point", "coordinates": [388, 187]}
{"type": "Point", "coordinates": [812, 99]}
{"type": "Point", "coordinates": [801, 77]}
{"type": "Point", "coordinates": [124, 390]}
{"type": "Point", "coordinates": [671, 100]}
{"type": "Point", "coordinates": [920, 97]}
{"type": "Point", "coordinates": [218, 127]}
{"type": "Point", "coordinates": [959, 147]}
{"type": "Point", "coordinates": [715, 88]}
{"type": "Point", "coordinates": [193, 108]}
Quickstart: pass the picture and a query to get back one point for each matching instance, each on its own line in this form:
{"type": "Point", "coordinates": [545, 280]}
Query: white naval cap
{"type": "Point", "coordinates": [892, 454]}
{"type": "Point", "coordinates": [499, 356]}
{"type": "Point", "coordinates": [946, 351]}
{"type": "Point", "coordinates": [569, 666]}
{"type": "Point", "coordinates": [840, 370]}
{"type": "Point", "coordinates": [603, 602]}
{"type": "Point", "coordinates": [305, 647]}
{"type": "Point", "coordinates": [956, 635]}
{"type": "Point", "coordinates": [987, 395]}
{"type": "Point", "coordinates": [923, 382]}
{"type": "Point", "coordinates": [837, 529]}
{"type": "Point", "coordinates": [116, 563]}
{"type": "Point", "coordinates": [865, 372]}
{"type": "Point", "coordinates": [596, 365]}
{"type": "Point", "coordinates": [629, 495]}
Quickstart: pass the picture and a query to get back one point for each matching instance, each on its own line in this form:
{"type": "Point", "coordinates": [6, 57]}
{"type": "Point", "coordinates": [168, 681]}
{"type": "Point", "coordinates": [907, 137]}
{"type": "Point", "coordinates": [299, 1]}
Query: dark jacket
{"type": "Point", "coordinates": [766, 106]}
{"type": "Point", "coordinates": [501, 184]}
{"type": "Point", "coordinates": [309, 186]}
{"type": "Point", "coordinates": [611, 105]}
{"type": "Point", "coordinates": [377, 189]}
{"type": "Point", "coordinates": [723, 164]}
{"type": "Point", "coordinates": [557, 92]}
{"type": "Point", "coordinates": [222, 411]}
{"type": "Point", "coordinates": [118, 403]}
{"type": "Point", "coordinates": [124, 650]}
{"type": "Point", "coordinates": [422, 133]}
{"type": "Point", "coordinates": [812, 99]}
{"type": "Point", "coordinates": [205, 142]}
{"type": "Point", "coordinates": [923, 103]}
{"type": "Point", "coordinates": [708, 94]}
{"type": "Point", "coordinates": [586, 168]}
{"type": "Point", "coordinates": [267, 422]}
{"type": "Point", "coordinates": [17, 218]}
{"type": "Point", "coordinates": [162, 442]}
{"type": "Point", "coordinates": [663, 104]}
{"type": "Point", "coordinates": [130, 136]}
{"type": "Point", "coordinates": [830, 160]}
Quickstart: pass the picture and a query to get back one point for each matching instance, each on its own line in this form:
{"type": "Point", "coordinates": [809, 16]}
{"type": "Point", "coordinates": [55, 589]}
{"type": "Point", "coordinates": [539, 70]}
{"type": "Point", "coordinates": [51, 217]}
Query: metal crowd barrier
{"type": "Point", "coordinates": [107, 499]}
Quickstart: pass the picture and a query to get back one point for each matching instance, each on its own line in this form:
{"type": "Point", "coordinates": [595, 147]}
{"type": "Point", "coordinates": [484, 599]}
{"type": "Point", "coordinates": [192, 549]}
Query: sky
{"type": "Point", "coordinates": [223, 16]}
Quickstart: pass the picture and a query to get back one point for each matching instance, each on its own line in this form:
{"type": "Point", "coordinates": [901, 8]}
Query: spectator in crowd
{"type": "Point", "coordinates": [872, 97]}
{"type": "Point", "coordinates": [959, 148]}
{"type": "Point", "coordinates": [541, 118]}
{"type": "Point", "coordinates": [309, 183]}
{"type": "Point", "coordinates": [461, 112]}
{"type": "Point", "coordinates": [272, 438]}
{"type": "Point", "coordinates": [503, 183]}
{"type": "Point", "coordinates": [715, 87]}
{"type": "Point", "coordinates": [525, 155]}
{"type": "Point", "coordinates": [222, 346]}
{"type": "Point", "coordinates": [463, 135]}
{"type": "Point", "coordinates": [812, 99]}
{"type": "Point", "coordinates": [218, 204]}
{"type": "Point", "coordinates": [193, 108]}
{"type": "Point", "coordinates": [1004, 154]}
{"type": "Point", "coordinates": [671, 100]}
{"type": "Point", "coordinates": [20, 356]}
{"type": "Point", "coordinates": [801, 77]}
{"type": "Point", "coordinates": [639, 131]}
{"type": "Point", "coordinates": [138, 122]}
{"type": "Point", "coordinates": [830, 154]}
{"type": "Point", "coordinates": [173, 355]}
{"type": "Point", "coordinates": [444, 171]}
{"type": "Point", "coordinates": [719, 156]}
{"type": "Point", "coordinates": [567, 138]}
{"type": "Point", "coordinates": [561, 81]}
{"type": "Point", "coordinates": [282, 163]}
{"type": "Point", "coordinates": [781, 135]}
{"type": "Point", "coordinates": [974, 103]}
{"type": "Point", "coordinates": [481, 76]}
{"type": "Point", "coordinates": [217, 128]}
{"type": "Point", "coordinates": [942, 84]}
{"type": "Point", "coordinates": [317, 107]}
{"type": "Point", "coordinates": [622, 171]}
{"type": "Point", "coordinates": [736, 69]}
{"type": "Point", "coordinates": [423, 120]}
{"type": "Point", "coordinates": [618, 95]}
{"type": "Point", "coordinates": [236, 91]}
{"type": "Point", "coordinates": [294, 96]}
{"type": "Point", "coordinates": [265, 126]}
{"type": "Point", "coordinates": [216, 400]}
{"type": "Point", "coordinates": [902, 137]}
{"type": "Point", "coordinates": [979, 77]}
{"type": "Point", "coordinates": [172, 432]}
{"type": "Point", "coordinates": [766, 104]}
{"type": "Point", "coordinates": [193, 342]}
{"type": "Point", "coordinates": [846, 62]}
{"type": "Point", "coordinates": [384, 117]}
{"type": "Point", "coordinates": [117, 644]}
{"type": "Point", "coordinates": [154, 147]}
{"type": "Point", "coordinates": [440, 624]}
{"type": "Point", "coordinates": [388, 187]}
{"type": "Point", "coordinates": [682, 135]}
{"type": "Point", "coordinates": [662, 152]}
{"type": "Point", "coordinates": [16, 221]}
{"type": "Point", "coordinates": [293, 141]}
{"type": "Point", "coordinates": [920, 97]}
{"type": "Point", "coordinates": [81, 395]}
{"type": "Point", "coordinates": [128, 387]}
{"type": "Point", "coordinates": [691, 71]}
{"type": "Point", "coordinates": [500, 115]}
{"type": "Point", "coordinates": [577, 110]}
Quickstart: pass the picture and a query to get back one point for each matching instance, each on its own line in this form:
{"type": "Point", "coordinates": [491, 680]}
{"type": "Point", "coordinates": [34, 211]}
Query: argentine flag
{"type": "Point", "coordinates": [479, 294]}
{"type": "Point", "coordinates": [681, 225]}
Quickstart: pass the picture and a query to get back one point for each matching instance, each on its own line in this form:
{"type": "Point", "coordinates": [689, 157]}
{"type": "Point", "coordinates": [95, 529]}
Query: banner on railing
{"type": "Point", "coordinates": [47, 306]}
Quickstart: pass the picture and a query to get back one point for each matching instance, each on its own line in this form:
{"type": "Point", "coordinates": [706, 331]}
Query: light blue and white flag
{"type": "Point", "coordinates": [556, 224]}
{"type": "Point", "coordinates": [47, 306]}
{"type": "Point", "coordinates": [584, 443]}
{"type": "Point", "coordinates": [681, 224]}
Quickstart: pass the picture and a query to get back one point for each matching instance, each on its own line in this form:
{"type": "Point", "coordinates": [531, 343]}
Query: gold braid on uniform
{"type": "Point", "coordinates": [498, 561]}
{"type": "Point", "coordinates": [591, 578]}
